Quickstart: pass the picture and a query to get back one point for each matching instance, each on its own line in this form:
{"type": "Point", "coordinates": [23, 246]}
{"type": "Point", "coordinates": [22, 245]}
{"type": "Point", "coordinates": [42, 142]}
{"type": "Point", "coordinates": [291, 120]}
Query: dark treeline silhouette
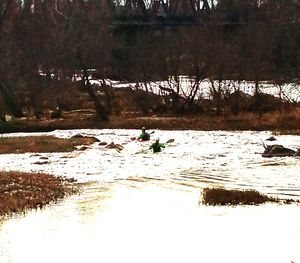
{"type": "Point", "coordinates": [49, 50]}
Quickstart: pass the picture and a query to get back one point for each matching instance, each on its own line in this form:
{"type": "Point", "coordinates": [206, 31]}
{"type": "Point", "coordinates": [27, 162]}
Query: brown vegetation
{"type": "Point", "coordinates": [42, 144]}
{"type": "Point", "coordinates": [22, 191]}
{"type": "Point", "coordinates": [244, 121]}
{"type": "Point", "coordinates": [220, 196]}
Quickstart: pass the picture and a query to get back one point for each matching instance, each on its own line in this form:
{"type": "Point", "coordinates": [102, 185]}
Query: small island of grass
{"type": "Point", "coordinates": [22, 191]}
{"type": "Point", "coordinates": [221, 196]}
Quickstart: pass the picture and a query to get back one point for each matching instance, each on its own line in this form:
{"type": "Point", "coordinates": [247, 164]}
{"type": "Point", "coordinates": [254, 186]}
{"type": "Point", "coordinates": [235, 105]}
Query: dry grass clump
{"type": "Point", "coordinates": [22, 191]}
{"type": "Point", "coordinates": [42, 144]}
{"type": "Point", "coordinates": [220, 196]}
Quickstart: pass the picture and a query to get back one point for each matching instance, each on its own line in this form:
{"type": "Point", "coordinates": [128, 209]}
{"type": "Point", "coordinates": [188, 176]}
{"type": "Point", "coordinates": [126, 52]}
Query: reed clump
{"type": "Point", "coordinates": [22, 191]}
{"type": "Point", "coordinates": [40, 144]}
{"type": "Point", "coordinates": [221, 196]}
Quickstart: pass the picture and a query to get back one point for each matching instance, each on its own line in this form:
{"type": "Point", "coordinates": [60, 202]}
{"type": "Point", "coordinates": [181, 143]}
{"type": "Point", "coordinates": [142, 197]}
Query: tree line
{"type": "Point", "coordinates": [50, 48]}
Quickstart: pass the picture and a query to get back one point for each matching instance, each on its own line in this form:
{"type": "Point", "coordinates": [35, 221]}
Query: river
{"type": "Point", "coordinates": [136, 206]}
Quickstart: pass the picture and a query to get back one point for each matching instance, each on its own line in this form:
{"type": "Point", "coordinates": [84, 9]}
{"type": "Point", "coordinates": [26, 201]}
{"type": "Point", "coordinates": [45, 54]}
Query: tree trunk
{"type": "Point", "coordinates": [100, 109]}
{"type": "Point", "coordinates": [10, 101]}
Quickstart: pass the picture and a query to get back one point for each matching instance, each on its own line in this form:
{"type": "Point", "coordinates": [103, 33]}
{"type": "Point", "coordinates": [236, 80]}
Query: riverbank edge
{"type": "Point", "coordinates": [276, 122]}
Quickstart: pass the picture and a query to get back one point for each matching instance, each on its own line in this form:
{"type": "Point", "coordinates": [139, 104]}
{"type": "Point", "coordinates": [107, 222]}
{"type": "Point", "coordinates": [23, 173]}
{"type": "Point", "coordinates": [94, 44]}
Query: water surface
{"type": "Point", "coordinates": [136, 206]}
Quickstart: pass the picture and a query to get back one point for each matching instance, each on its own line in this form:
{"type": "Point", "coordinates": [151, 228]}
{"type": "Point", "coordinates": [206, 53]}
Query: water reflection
{"type": "Point", "coordinates": [145, 207]}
